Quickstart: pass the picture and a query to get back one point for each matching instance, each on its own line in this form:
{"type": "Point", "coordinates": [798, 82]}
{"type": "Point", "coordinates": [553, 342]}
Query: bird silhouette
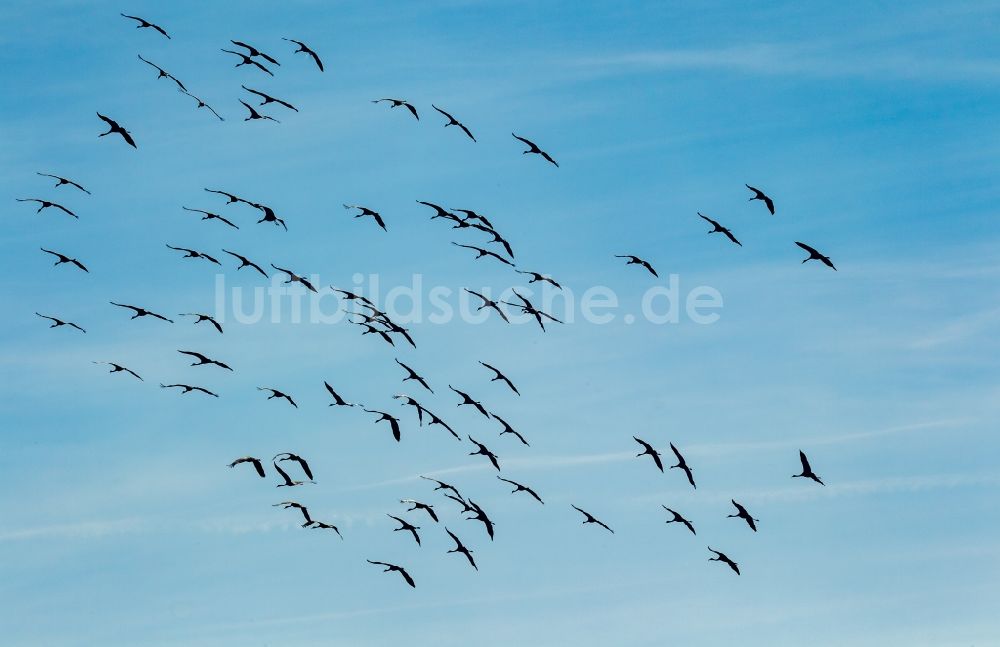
{"type": "Point", "coordinates": [113, 127]}
{"type": "Point", "coordinates": [202, 104]}
{"type": "Point", "coordinates": [533, 148]}
{"type": "Point", "coordinates": [246, 60]}
{"type": "Point", "coordinates": [592, 519]}
{"type": "Point", "coordinates": [417, 505]}
{"type": "Point", "coordinates": [440, 212]}
{"type": "Point", "coordinates": [441, 485]}
{"type": "Point", "coordinates": [253, 52]}
{"type": "Point", "coordinates": [304, 48]}
{"type": "Point", "coordinates": [741, 513]}
{"type": "Point", "coordinates": [535, 277]}
{"type": "Point", "coordinates": [465, 504]}
{"type": "Point", "coordinates": [269, 99]}
{"type": "Point", "coordinates": [721, 557]}
{"type": "Point", "coordinates": [230, 197]}
{"type": "Point", "coordinates": [162, 73]}
{"type": "Point", "coordinates": [256, 115]}
{"type": "Point", "coordinates": [246, 262]}
{"type": "Point", "coordinates": [759, 195]}
{"type": "Point", "coordinates": [482, 450]}
{"type": "Point", "coordinates": [528, 309]}
{"type": "Point", "coordinates": [322, 525]}
{"type": "Point", "coordinates": [488, 303]}
{"type": "Point", "coordinates": [61, 181]}
{"type": "Point", "coordinates": [466, 399]}
{"type": "Point", "coordinates": [682, 464]}
{"type": "Point", "coordinates": [269, 215]}
{"type": "Point", "coordinates": [118, 368]}
{"type": "Point", "coordinates": [201, 318]}
{"type": "Point", "coordinates": [46, 204]}
{"type": "Point", "coordinates": [497, 238]}
{"type": "Point", "coordinates": [56, 322]}
{"type": "Point", "coordinates": [257, 465]}
{"type": "Point", "coordinates": [678, 519]}
{"type": "Point", "coordinates": [720, 229]}
{"type": "Point", "coordinates": [208, 215]}
{"type": "Point", "coordinates": [372, 330]}
{"type": "Point", "coordinates": [62, 258]}
{"type": "Point", "coordinates": [187, 388]}
{"type": "Point", "coordinates": [143, 23]}
{"type": "Point", "coordinates": [365, 211]}
{"type": "Point", "coordinates": [472, 215]}
{"type": "Point", "coordinates": [289, 481]}
{"type": "Point", "coordinates": [460, 548]}
{"type": "Point", "coordinates": [635, 260]}
{"type": "Point", "coordinates": [288, 456]}
{"type": "Point", "coordinates": [412, 375]}
{"type": "Point", "coordinates": [518, 487]}
{"type": "Point", "coordinates": [190, 253]}
{"type": "Point", "coordinates": [337, 400]}
{"type": "Point", "coordinates": [498, 376]}
{"type": "Point", "coordinates": [288, 505]}
{"type": "Point", "coordinates": [480, 253]}
{"type": "Point", "coordinates": [400, 102]}
{"type": "Point", "coordinates": [275, 393]}
{"type": "Point", "coordinates": [201, 360]}
{"type": "Point", "coordinates": [454, 122]}
{"type": "Point", "coordinates": [438, 421]}
{"type": "Point", "coordinates": [141, 312]}
{"type": "Point", "coordinates": [815, 255]}
{"type": "Point", "coordinates": [807, 470]}
{"type": "Point", "coordinates": [392, 420]}
{"type": "Point", "coordinates": [480, 515]}
{"type": "Point", "coordinates": [393, 567]}
{"type": "Point", "coordinates": [295, 278]}
{"type": "Point", "coordinates": [507, 429]}
{"type": "Point", "coordinates": [648, 449]}
{"type": "Point", "coordinates": [407, 526]}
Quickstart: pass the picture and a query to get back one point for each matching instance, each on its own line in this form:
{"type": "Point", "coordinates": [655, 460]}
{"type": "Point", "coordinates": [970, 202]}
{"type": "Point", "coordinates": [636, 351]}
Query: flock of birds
{"type": "Point", "coordinates": [374, 321]}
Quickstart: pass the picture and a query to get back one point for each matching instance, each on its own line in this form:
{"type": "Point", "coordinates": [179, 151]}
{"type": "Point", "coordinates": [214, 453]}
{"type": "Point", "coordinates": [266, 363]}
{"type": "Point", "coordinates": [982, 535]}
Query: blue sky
{"type": "Point", "coordinates": [874, 129]}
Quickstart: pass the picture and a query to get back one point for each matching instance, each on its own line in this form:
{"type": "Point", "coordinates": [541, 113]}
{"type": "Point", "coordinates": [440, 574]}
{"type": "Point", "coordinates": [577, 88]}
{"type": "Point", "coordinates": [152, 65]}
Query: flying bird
{"type": "Point", "coordinates": [813, 254]}
{"type": "Point", "coordinates": [113, 127]}
{"type": "Point", "coordinates": [287, 505]}
{"type": "Point", "coordinates": [365, 211]}
{"type": "Point", "coordinates": [480, 253]}
{"type": "Point", "coordinates": [145, 23]}
{"type": "Point", "coordinates": [304, 48]}
{"type": "Point", "coordinates": [460, 548]}
{"type": "Point", "coordinates": [257, 465]}
{"type": "Point", "coordinates": [256, 115]}
{"type": "Point", "coordinates": [472, 215]}
{"type": "Point", "coordinates": [720, 229]}
{"type": "Point", "coordinates": [141, 312]}
{"type": "Point", "coordinates": [488, 303]}
{"type": "Point", "coordinates": [202, 104]}
{"type": "Point", "coordinates": [635, 260]}
{"type": "Point", "coordinates": [295, 278]}
{"type": "Point", "coordinates": [721, 557]}
{"type": "Point", "coordinates": [417, 505]}
{"type": "Point", "coordinates": [230, 197]}
{"type": "Point", "coordinates": [535, 277]}
{"type": "Point", "coordinates": [480, 515]}
{"type": "Point", "coordinates": [437, 421]}
{"type": "Point", "coordinates": [498, 376]}
{"type": "Point", "coordinates": [201, 318]}
{"type": "Point", "coordinates": [466, 399]}
{"type": "Point", "coordinates": [246, 262]}
{"type": "Point", "coordinates": [269, 215]}
{"type": "Point", "coordinates": [61, 181]}
{"type": "Point", "coordinates": [497, 238]}
{"type": "Point", "coordinates": [46, 204]}
{"type": "Point", "coordinates": [412, 375]}
{"type": "Point", "coordinates": [269, 99]}
{"type": "Point", "coordinates": [254, 52]}
{"type": "Point", "coordinates": [322, 525]}
{"type": "Point", "coordinates": [400, 102]}
{"type": "Point", "coordinates": [759, 195]}
{"type": "Point", "coordinates": [65, 259]}
{"type": "Point", "coordinates": [289, 482]}
{"type": "Point", "coordinates": [399, 569]}
{"type": "Point", "coordinates": [533, 148]}
{"type": "Point", "coordinates": [648, 449]}
{"type": "Point", "coordinates": [248, 61]}
{"type": "Point", "coordinates": [201, 360]}
{"type": "Point", "coordinates": [163, 74]}
{"type": "Point", "coordinates": [208, 215]}
{"type": "Point", "coordinates": [507, 429]}
{"type": "Point", "coordinates": [275, 393]}
{"type": "Point", "coordinates": [682, 464]}
{"type": "Point", "coordinates": [484, 452]}
{"type": "Point", "coordinates": [592, 519]}
{"type": "Point", "coordinates": [522, 488]}
{"type": "Point", "coordinates": [190, 253]}
{"type": "Point", "coordinates": [741, 513]}
{"type": "Point", "coordinates": [807, 471]}
{"type": "Point", "coordinates": [337, 400]}
{"type": "Point", "coordinates": [528, 309]}
{"type": "Point", "coordinates": [441, 485]}
{"type": "Point", "coordinates": [440, 212]}
{"type": "Point", "coordinates": [677, 518]}
{"type": "Point", "coordinates": [392, 420]}
{"type": "Point", "coordinates": [118, 368]}
{"type": "Point", "coordinates": [288, 456]}
{"type": "Point", "coordinates": [454, 122]}
{"type": "Point", "coordinates": [372, 330]}
{"type": "Point", "coordinates": [56, 322]}
{"type": "Point", "coordinates": [187, 388]}
{"type": "Point", "coordinates": [406, 525]}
